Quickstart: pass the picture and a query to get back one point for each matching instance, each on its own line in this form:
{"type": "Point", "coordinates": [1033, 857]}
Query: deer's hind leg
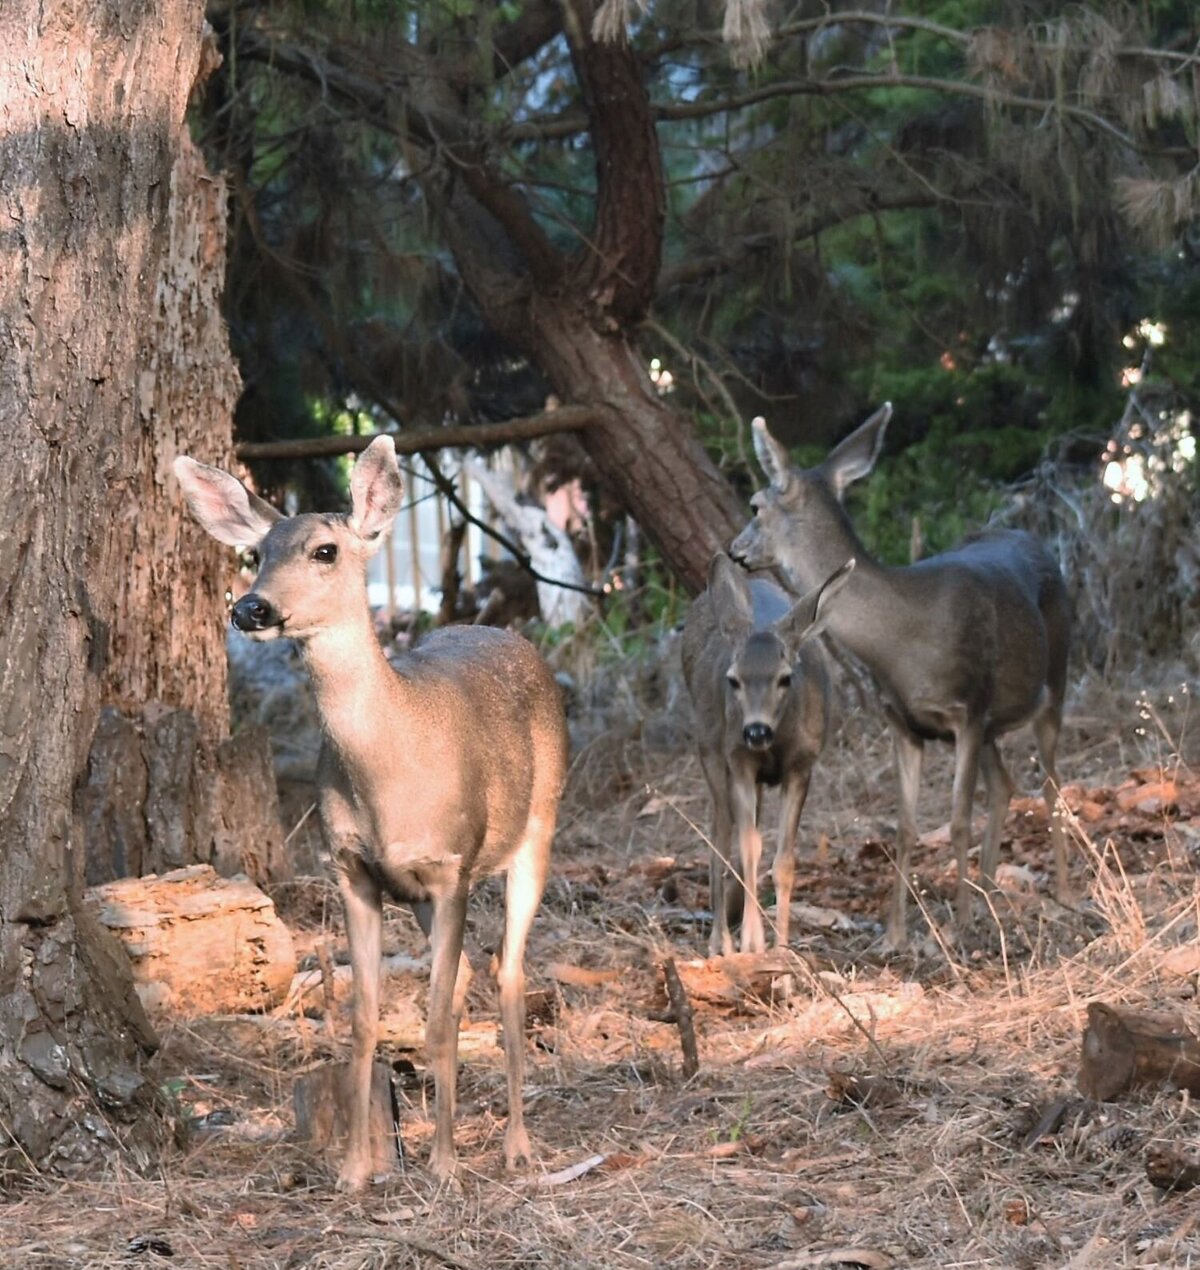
{"type": "Point", "coordinates": [999, 786]}
{"type": "Point", "coordinates": [524, 884]}
{"type": "Point", "coordinates": [1047, 724]}
{"type": "Point", "coordinates": [968, 742]}
{"type": "Point", "coordinates": [441, 1025]}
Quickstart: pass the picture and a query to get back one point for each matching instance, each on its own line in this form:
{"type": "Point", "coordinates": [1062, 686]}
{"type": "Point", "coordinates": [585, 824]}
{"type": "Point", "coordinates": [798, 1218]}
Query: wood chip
{"type": "Point", "coordinates": [570, 1174]}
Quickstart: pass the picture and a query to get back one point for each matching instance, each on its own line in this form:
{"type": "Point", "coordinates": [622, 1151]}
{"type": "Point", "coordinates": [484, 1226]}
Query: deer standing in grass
{"type": "Point", "coordinates": [964, 646]}
{"type": "Point", "coordinates": [431, 776]}
{"type": "Point", "coordinates": [761, 697]}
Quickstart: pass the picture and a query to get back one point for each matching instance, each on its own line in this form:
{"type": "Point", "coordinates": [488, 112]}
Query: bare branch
{"type": "Point", "coordinates": [570, 125]}
{"type": "Point", "coordinates": [419, 440]}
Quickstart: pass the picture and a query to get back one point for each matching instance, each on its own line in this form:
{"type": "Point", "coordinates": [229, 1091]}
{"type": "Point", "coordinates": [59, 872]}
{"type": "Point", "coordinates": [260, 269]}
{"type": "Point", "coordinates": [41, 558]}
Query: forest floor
{"type": "Point", "coordinates": [913, 1110]}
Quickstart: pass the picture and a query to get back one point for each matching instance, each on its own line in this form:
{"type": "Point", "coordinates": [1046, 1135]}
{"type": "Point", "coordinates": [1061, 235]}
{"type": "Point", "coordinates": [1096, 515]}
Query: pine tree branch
{"type": "Point", "coordinates": [419, 440]}
{"type": "Point", "coordinates": [568, 125]}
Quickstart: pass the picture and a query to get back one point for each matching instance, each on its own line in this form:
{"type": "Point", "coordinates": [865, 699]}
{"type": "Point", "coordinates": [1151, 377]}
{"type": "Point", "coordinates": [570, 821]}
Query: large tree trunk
{"type": "Point", "coordinates": [94, 169]}
{"type": "Point", "coordinates": [166, 785]}
{"type": "Point", "coordinates": [647, 453]}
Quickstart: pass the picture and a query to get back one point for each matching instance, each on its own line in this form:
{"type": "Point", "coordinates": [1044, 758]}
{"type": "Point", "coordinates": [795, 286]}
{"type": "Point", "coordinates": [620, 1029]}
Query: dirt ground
{"type": "Point", "coordinates": [916, 1110]}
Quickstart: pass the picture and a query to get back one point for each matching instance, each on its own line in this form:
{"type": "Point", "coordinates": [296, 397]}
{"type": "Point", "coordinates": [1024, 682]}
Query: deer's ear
{"type": "Point", "coordinates": [223, 505]}
{"type": "Point", "coordinates": [773, 458]}
{"type": "Point", "coordinates": [730, 591]}
{"type": "Point", "coordinates": [376, 488]}
{"type": "Point", "coordinates": [809, 616]}
{"type": "Point", "coordinates": [854, 457]}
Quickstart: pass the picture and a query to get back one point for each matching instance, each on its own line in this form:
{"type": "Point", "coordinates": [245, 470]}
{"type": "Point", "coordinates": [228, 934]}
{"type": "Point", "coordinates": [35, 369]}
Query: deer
{"type": "Point", "coordinates": [432, 775]}
{"type": "Point", "coordinates": [760, 692]}
{"type": "Point", "coordinates": [964, 646]}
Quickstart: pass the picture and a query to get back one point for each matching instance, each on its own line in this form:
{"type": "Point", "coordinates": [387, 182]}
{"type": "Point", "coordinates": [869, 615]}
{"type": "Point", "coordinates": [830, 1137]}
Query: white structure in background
{"type": "Point", "coordinates": [415, 547]}
{"type": "Point", "coordinates": [411, 563]}
{"type": "Point", "coordinates": [547, 543]}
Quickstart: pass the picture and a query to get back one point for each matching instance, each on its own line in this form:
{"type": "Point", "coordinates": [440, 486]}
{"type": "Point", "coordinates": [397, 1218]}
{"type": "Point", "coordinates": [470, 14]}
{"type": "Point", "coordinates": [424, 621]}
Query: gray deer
{"type": "Point", "coordinates": [761, 698]}
{"type": "Point", "coordinates": [431, 776]}
{"type": "Point", "coordinates": [964, 646]}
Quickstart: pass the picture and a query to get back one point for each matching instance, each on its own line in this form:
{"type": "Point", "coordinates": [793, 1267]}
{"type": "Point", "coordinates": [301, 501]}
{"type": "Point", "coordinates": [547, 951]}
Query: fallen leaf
{"type": "Point", "coordinates": [394, 1216]}
{"type": "Point", "coordinates": [821, 918]}
{"type": "Point", "coordinates": [1183, 961]}
{"type": "Point", "coordinates": [1149, 798]}
{"type": "Point", "coordinates": [580, 976]}
{"type": "Point", "coordinates": [1016, 1212]}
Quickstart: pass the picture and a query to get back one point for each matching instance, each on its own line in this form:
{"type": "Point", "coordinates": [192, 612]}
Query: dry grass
{"type": "Point", "coordinates": [962, 1141]}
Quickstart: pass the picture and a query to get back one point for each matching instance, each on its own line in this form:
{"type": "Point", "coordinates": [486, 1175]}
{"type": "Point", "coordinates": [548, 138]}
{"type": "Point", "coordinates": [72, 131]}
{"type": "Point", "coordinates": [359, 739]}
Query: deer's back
{"type": "Point", "coordinates": [985, 624]}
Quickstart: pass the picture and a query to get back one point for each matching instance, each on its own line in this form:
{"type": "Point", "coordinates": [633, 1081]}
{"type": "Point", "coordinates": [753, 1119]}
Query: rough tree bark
{"type": "Point", "coordinates": [95, 181]}
{"type": "Point", "coordinates": [166, 785]}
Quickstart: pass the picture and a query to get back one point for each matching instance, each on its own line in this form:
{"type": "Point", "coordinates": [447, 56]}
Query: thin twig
{"type": "Point", "coordinates": [683, 1018]}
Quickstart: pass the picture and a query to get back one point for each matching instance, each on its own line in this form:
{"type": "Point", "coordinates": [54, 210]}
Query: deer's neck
{"type": "Point", "coordinates": [353, 682]}
{"type": "Point", "coordinates": [855, 616]}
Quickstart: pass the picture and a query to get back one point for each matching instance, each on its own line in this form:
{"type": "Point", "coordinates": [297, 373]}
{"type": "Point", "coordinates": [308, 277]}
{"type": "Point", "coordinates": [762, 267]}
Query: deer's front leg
{"type": "Point", "coordinates": [795, 792]}
{"type": "Point", "coordinates": [441, 1027]}
{"type": "Point", "coordinates": [364, 930]}
{"type": "Point", "coordinates": [744, 800]}
{"type": "Point", "coordinates": [967, 745]}
{"type": "Point", "coordinates": [720, 942]}
{"type": "Point", "coordinates": [909, 753]}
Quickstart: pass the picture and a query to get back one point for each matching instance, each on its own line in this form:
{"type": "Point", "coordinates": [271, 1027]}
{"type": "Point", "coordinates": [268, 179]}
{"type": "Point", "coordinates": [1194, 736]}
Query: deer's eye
{"type": "Point", "coordinates": [785, 680]}
{"type": "Point", "coordinates": [251, 557]}
{"type": "Point", "coordinates": [326, 553]}
{"type": "Point", "coordinates": [734, 682]}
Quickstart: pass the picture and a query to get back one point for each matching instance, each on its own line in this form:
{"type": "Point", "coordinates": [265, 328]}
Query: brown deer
{"type": "Point", "coordinates": [431, 776]}
{"type": "Point", "coordinates": [761, 698]}
{"type": "Point", "coordinates": [964, 646]}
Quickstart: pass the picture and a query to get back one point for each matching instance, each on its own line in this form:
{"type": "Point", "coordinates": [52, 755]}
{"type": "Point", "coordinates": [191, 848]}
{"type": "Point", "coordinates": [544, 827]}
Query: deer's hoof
{"type": "Point", "coordinates": [517, 1152]}
{"type": "Point", "coordinates": [443, 1163]}
{"type": "Point", "coordinates": [353, 1178]}
{"type": "Point", "coordinates": [895, 942]}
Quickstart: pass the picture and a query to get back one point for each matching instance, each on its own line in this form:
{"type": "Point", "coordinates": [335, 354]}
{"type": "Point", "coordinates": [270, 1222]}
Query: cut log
{"type": "Point", "coordinates": [321, 1100]}
{"type": "Point", "coordinates": [199, 943]}
{"type": "Point", "coordinates": [1123, 1047]}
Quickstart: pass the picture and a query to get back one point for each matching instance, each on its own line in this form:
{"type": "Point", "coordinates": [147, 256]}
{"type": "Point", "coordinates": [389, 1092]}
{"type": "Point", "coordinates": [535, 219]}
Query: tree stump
{"type": "Point", "coordinates": [199, 943]}
{"type": "Point", "coordinates": [1123, 1047]}
{"type": "Point", "coordinates": [321, 1100]}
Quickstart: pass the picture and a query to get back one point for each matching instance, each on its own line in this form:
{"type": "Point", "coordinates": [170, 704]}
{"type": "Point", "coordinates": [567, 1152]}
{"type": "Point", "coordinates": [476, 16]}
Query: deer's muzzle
{"type": "Point", "coordinates": [253, 613]}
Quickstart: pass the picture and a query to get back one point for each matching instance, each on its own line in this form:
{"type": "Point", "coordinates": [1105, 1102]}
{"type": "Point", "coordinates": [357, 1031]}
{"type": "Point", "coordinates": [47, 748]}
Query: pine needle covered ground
{"type": "Point", "coordinates": [850, 1109]}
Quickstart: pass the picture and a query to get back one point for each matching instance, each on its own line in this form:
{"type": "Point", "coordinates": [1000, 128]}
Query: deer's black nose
{"type": "Point", "coordinates": [253, 613]}
{"type": "Point", "coordinates": [758, 735]}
